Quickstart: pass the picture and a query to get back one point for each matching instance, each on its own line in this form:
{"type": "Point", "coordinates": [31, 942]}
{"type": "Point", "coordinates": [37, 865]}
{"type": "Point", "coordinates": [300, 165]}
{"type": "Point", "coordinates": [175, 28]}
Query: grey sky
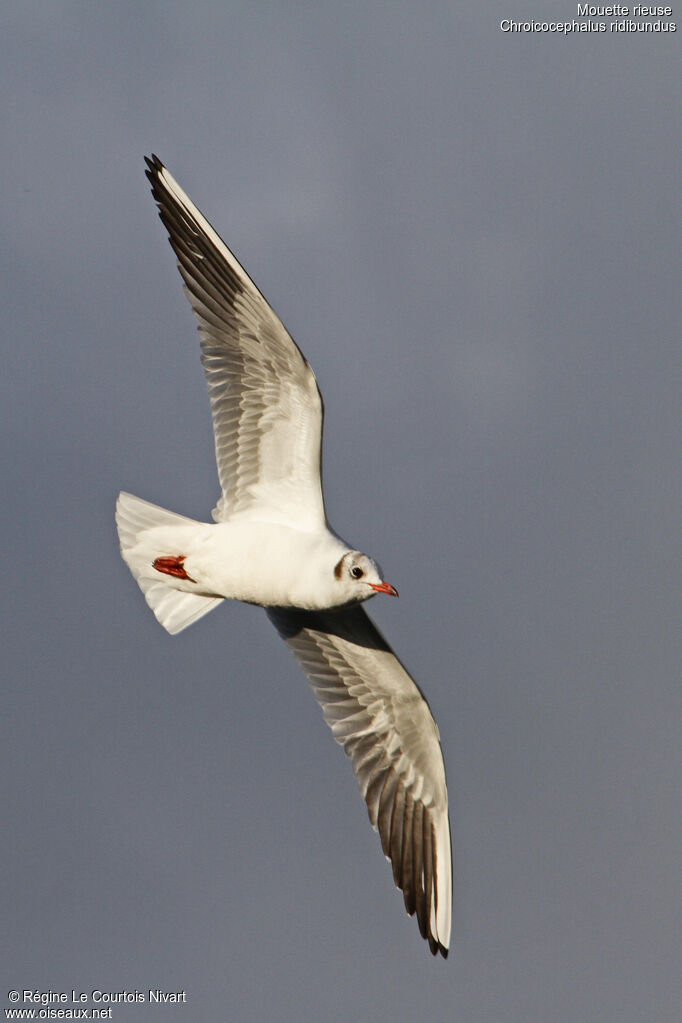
{"type": "Point", "coordinates": [474, 238]}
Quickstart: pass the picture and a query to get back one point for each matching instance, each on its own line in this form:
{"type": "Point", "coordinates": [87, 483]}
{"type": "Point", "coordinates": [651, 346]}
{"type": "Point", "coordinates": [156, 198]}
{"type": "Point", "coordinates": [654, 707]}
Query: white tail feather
{"type": "Point", "coordinates": [175, 609]}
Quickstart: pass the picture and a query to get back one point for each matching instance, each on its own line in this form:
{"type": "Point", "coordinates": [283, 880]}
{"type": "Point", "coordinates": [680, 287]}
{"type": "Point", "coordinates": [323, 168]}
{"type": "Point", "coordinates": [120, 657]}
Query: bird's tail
{"type": "Point", "coordinates": [175, 609]}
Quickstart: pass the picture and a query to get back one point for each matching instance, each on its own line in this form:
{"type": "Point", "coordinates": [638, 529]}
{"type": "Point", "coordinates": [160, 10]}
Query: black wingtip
{"type": "Point", "coordinates": [154, 169]}
{"type": "Point", "coordinates": [153, 162]}
{"type": "Point", "coordinates": [435, 947]}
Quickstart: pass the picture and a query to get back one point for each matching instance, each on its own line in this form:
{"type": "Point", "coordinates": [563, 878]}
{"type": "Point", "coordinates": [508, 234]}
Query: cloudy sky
{"type": "Point", "coordinates": [474, 237]}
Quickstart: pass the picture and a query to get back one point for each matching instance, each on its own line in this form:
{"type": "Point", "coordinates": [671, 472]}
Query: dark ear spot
{"type": "Point", "coordinates": [338, 569]}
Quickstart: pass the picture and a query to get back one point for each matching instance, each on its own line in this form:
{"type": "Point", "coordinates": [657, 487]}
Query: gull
{"type": "Point", "coordinates": [270, 544]}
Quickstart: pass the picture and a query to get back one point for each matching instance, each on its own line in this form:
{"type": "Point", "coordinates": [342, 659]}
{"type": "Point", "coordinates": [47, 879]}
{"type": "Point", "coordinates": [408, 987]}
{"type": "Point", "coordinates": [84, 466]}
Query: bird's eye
{"type": "Point", "coordinates": [356, 572]}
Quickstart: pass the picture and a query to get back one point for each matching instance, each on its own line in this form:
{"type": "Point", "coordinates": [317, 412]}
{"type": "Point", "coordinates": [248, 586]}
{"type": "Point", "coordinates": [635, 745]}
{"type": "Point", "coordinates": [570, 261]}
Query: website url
{"type": "Point", "coordinates": [58, 1013]}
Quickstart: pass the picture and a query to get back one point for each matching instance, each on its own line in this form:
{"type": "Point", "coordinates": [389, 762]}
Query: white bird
{"type": "Point", "coordinates": [271, 545]}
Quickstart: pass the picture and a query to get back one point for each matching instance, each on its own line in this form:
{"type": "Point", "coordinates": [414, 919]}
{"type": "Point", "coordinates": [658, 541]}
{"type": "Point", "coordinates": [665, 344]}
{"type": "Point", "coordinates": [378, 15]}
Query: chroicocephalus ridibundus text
{"type": "Point", "coordinates": [271, 545]}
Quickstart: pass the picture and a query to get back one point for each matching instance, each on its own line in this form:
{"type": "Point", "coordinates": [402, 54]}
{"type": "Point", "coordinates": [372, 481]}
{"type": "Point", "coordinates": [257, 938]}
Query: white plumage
{"type": "Point", "coordinates": [271, 545]}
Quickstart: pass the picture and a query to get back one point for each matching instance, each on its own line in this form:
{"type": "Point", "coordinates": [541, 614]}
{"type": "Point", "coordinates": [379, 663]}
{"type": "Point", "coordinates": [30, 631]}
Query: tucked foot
{"type": "Point", "coordinates": [172, 565]}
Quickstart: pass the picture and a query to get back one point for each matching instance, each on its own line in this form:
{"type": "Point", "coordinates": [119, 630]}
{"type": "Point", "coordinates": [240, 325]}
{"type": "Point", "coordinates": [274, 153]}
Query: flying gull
{"type": "Point", "coordinates": [271, 545]}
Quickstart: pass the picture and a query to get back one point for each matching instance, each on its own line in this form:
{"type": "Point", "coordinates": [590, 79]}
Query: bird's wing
{"type": "Point", "coordinates": [266, 405]}
{"type": "Point", "coordinates": [380, 717]}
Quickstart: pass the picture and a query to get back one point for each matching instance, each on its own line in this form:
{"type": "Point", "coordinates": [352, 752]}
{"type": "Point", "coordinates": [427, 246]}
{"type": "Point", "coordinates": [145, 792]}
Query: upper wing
{"type": "Point", "coordinates": [380, 717]}
{"type": "Point", "coordinates": [266, 405]}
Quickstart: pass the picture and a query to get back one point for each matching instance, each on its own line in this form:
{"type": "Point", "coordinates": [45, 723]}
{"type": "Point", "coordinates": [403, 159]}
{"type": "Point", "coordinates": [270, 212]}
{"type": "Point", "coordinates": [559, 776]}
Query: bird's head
{"type": "Point", "coordinates": [361, 577]}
